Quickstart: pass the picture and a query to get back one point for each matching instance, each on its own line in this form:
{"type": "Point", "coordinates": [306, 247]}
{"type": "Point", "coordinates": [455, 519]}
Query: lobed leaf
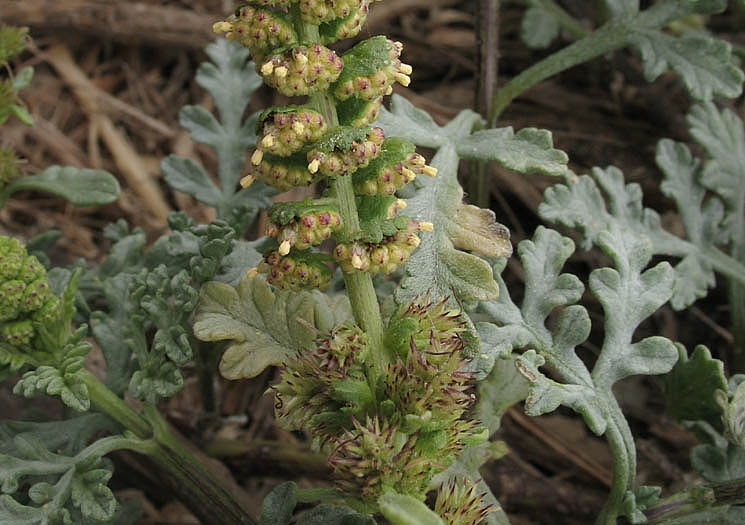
{"type": "Point", "coordinates": [691, 386]}
{"type": "Point", "coordinates": [265, 327]}
{"type": "Point", "coordinates": [705, 65]}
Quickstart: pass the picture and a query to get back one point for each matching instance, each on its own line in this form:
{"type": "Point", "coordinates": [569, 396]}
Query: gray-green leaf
{"type": "Point", "coordinates": [81, 187]}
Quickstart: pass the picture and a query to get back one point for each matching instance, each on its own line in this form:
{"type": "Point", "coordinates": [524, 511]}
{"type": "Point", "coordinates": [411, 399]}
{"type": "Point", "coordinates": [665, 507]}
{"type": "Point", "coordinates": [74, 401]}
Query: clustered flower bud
{"type": "Point", "coordinates": [459, 503]}
{"type": "Point", "coordinates": [370, 69]}
{"type": "Point", "coordinates": [25, 294]}
{"type": "Point", "coordinates": [302, 70]}
{"type": "Point", "coordinates": [305, 396]}
{"type": "Point", "coordinates": [296, 270]}
{"type": "Point", "coordinates": [384, 256]}
{"type": "Point", "coordinates": [260, 30]}
{"type": "Point", "coordinates": [397, 165]}
{"type": "Point", "coordinates": [283, 173]}
{"type": "Point", "coordinates": [284, 131]}
{"type": "Point", "coordinates": [319, 11]}
{"type": "Point", "coordinates": [305, 229]}
{"type": "Point", "coordinates": [426, 325]}
{"type": "Point", "coordinates": [333, 157]}
{"type": "Point", "coordinates": [345, 27]}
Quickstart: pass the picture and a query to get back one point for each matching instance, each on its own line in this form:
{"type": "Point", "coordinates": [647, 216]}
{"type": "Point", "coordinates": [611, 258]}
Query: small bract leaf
{"type": "Point", "coordinates": [279, 504]}
{"type": "Point", "coordinates": [691, 384]}
{"type": "Point", "coordinates": [400, 509]}
{"type": "Point", "coordinates": [539, 27]}
{"type": "Point", "coordinates": [477, 230]}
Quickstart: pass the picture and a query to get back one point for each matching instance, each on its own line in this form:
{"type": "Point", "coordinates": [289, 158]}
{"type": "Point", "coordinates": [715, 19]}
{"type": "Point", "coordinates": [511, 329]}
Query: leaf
{"type": "Point", "coordinates": [539, 27]}
{"type": "Point", "coordinates": [477, 230]}
{"type": "Point", "coordinates": [22, 114]}
{"type": "Point", "coordinates": [52, 381]}
{"type": "Point", "coordinates": [81, 187]}
{"type": "Point", "coordinates": [92, 496]}
{"type": "Point", "coordinates": [333, 515]}
{"type": "Point", "coordinates": [501, 389]}
{"type": "Point", "coordinates": [722, 134]}
{"type": "Point", "coordinates": [715, 464]}
{"type": "Point", "coordinates": [278, 505]}
{"type": "Point", "coordinates": [733, 414]}
{"type": "Point", "coordinates": [23, 78]}
{"type": "Point", "coordinates": [620, 8]}
{"type": "Point", "coordinates": [705, 64]}
{"type": "Point", "coordinates": [691, 384]}
{"type": "Point", "coordinates": [437, 266]}
{"type": "Point", "coordinates": [265, 327]}
{"type": "Point", "coordinates": [529, 150]}
{"type": "Point", "coordinates": [186, 176]}
{"type": "Point", "coordinates": [400, 509]}
{"type": "Point", "coordinates": [407, 121]}
{"type": "Point", "coordinates": [700, 220]}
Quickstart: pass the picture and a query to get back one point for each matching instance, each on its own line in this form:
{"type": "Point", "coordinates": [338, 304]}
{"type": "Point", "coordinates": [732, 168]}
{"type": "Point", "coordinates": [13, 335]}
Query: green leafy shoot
{"type": "Point", "coordinates": [230, 79]}
{"type": "Point", "coordinates": [50, 474]}
{"type": "Point", "coordinates": [628, 294]}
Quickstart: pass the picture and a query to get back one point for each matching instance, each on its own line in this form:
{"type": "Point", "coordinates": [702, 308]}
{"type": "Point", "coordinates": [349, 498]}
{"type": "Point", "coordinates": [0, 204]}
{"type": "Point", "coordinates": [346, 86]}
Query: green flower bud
{"type": "Point", "coordinates": [459, 503]}
{"type": "Point", "coordinates": [396, 166]}
{"type": "Point", "coordinates": [435, 329]}
{"type": "Point", "coordinates": [384, 256]}
{"type": "Point", "coordinates": [345, 27]}
{"type": "Point", "coordinates": [17, 333]}
{"type": "Point", "coordinates": [11, 297]}
{"type": "Point", "coordinates": [25, 295]}
{"type": "Point", "coordinates": [370, 69]}
{"type": "Point", "coordinates": [345, 150]}
{"type": "Point", "coordinates": [296, 271]}
{"type": "Point", "coordinates": [260, 30]}
{"type": "Point", "coordinates": [283, 173]}
{"type": "Point", "coordinates": [286, 130]}
{"type": "Point", "coordinates": [318, 11]}
{"type": "Point", "coordinates": [302, 70]}
{"type": "Point", "coordinates": [302, 225]}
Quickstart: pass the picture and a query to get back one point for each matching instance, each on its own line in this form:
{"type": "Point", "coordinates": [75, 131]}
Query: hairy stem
{"type": "Point", "coordinates": [621, 469]}
{"type": "Point", "coordinates": [697, 499]}
{"type": "Point", "coordinates": [204, 495]}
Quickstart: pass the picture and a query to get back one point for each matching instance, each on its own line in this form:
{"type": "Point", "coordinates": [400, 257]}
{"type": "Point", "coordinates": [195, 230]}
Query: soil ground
{"type": "Point", "coordinates": [111, 77]}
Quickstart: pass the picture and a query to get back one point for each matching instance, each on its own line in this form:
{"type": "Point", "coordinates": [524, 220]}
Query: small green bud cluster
{"type": "Point", "coordinates": [287, 130]}
{"type": "Point", "coordinates": [371, 68]}
{"type": "Point", "coordinates": [358, 112]}
{"type": "Point", "coordinates": [459, 503]}
{"type": "Point", "coordinates": [283, 173]}
{"type": "Point", "coordinates": [339, 161]}
{"type": "Point", "coordinates": [384, 256]}
{"type": "Point", "coordinates": [305, 230]}
{"type": "Point", "coordinates": [319, 11]}
{"type": "Point", "coordinates": [260, 30]}
{"type": "Point", "coordinates": [295, 270]}
{"type": "Point", "coordinates": [302, 70]}
{"type": "Point", "coordinates": [25, 295]}
{"type": "Point", "coordinates": [347, 27]}
{"type": "Point", "coordinates": [397, 165]}
{"type": "Point", "coordinates": [306, 399]}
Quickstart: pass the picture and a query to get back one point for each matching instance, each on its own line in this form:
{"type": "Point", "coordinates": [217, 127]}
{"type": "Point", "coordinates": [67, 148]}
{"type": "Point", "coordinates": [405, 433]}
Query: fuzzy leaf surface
{"type": "Point", "coordinates": [80, 187]}
{"type": "Point", "coordinates": [705, 65]}
{"type": "Point", "coordinates": [265, 327]}
{"type": "Point", "coordinates": [691, 385]}
{"type": "Point", "coordinates": [539, 27]}
{"type": "Point", "coordinates": [400, 509]}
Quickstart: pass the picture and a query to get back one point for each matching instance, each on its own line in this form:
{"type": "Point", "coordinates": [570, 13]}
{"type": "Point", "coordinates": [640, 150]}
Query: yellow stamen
{"type": "Point", "coordinates": [256, 157]}
{"type": "Point", "coordinates": [426, 226]}
{"type": "Point", "coordinates": [357, 261]}
{"type": "Point", "coordinates": [404, 80]}
{"type": "Point", "coordinates": [267, 141]}
{"type": "Point", "coordinates": [298, 127]}
{"type": "Point", "coordinates": [314, 165]}
{"type": "Point", "coordinates": [284, 248]}
{"type": "Point", "coordinates": [247, 181]}
{"type": "Point", "coordinates": [221, 27]}
{"type": "Point", "coordinates": [280, 72]}
{"type": "Point", "coordinates": [301, 59]}
{"type": "Point", "coordinates": [401, 204]}
{"type": "Point", "coordinates": [267, 69]}
{"type": "Point", "coordinates": [429, 171]}
{"type": "Point", "coordinates": [389, 90]}
{"type": "Point", "coordinates": [252, 272]}
{"type": "Point", "coordinates": [406, 69]}
{"type": "Point", "coordinates": [410, 175]}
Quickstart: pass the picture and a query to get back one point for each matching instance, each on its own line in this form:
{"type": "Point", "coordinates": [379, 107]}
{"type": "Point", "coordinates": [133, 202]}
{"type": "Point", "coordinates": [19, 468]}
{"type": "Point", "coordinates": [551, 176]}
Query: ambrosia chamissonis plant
{"type": "Point", "coordinates": [387, 392]}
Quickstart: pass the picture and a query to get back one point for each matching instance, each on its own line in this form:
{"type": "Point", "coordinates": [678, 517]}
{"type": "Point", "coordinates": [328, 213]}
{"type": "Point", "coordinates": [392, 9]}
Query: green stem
{"type": "Point", "coordinates": [183, 474]}
{"type": "Point", "coordinates": [621, 469]}
{"type": "Point", "coordinates": [697, 499]}
{"type": "Point", "coordinates": [614, 35]}
{"type": "Point", "coordinates": [359, 284]}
